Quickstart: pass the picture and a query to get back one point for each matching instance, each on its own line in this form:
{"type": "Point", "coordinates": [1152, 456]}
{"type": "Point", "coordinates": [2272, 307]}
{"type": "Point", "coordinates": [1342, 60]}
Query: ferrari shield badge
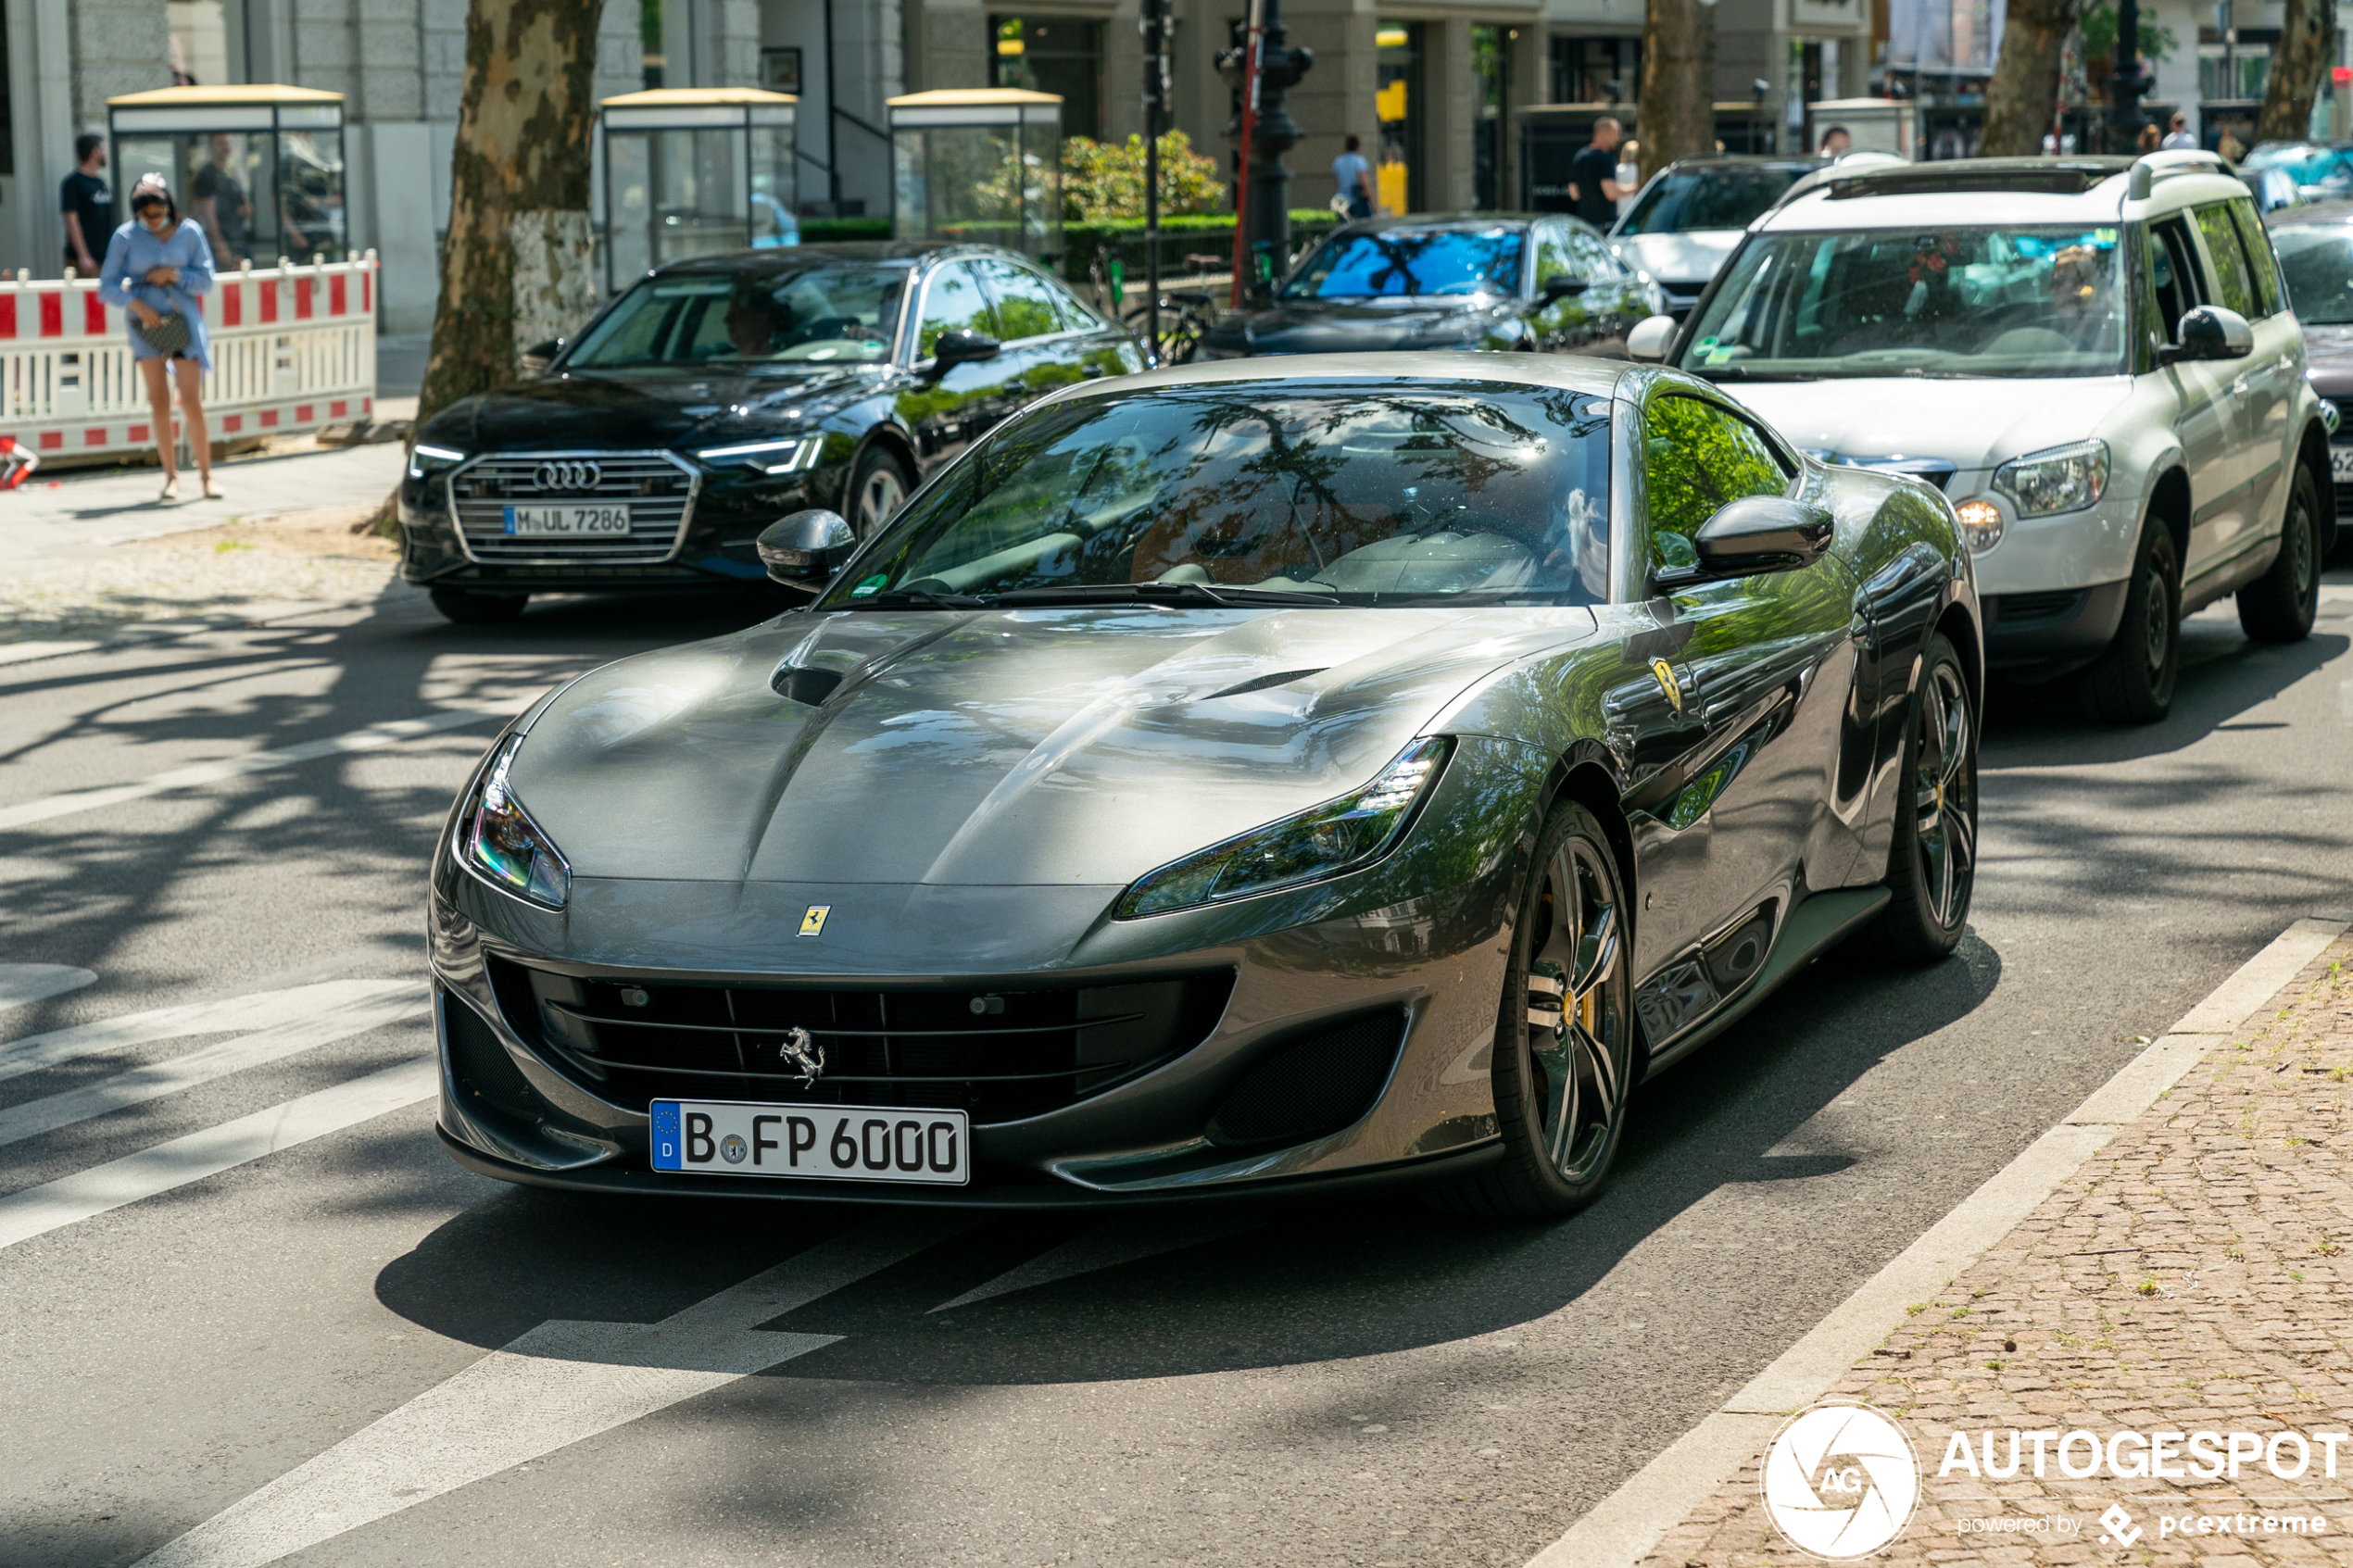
{"type": "Point", "coordinates": [1667, 683]}
{"type": "Point", "coordinates": [814, 920]}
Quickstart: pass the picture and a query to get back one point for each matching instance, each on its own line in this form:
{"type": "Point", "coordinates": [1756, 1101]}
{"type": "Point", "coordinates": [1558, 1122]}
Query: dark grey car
{"type": "Point", "coordinates": [1230, 779]}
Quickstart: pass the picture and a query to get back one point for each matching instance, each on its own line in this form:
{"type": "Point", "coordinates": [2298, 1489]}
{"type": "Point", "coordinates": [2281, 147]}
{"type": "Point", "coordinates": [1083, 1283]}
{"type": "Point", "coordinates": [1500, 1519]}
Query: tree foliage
{"type": "Point", "coordinates": [1105, 180]}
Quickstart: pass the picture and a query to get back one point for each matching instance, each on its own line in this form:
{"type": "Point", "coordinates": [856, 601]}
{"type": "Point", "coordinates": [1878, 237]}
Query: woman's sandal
{"type": "Point", "coordinates": [171, 488]}
{"type": "Point", "coordinates": [212, 492]}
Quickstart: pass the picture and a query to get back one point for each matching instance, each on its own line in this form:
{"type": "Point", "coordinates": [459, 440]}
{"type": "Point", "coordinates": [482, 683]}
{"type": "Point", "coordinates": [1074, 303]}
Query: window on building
{"type": "Point", "coordinates": [1058, 54]}
{"type": "Point", "coordinates": [199, 43]}
{"type": "Point", "coordinates": [1397, 102]}
{"type": "Point", "coordinates": [1597, 70]}
{"type": "Point", "coordinates": [1491, 113]}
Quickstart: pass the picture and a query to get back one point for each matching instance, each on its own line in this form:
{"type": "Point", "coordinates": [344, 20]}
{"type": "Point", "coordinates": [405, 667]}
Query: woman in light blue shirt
{"type": "Point", "coordinates": [156, 266]}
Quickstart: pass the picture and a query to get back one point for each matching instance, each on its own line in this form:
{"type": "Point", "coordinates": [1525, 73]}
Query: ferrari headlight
{"type": "Point", "coordinates": [2064, 479]}
{"type": "Point", "coordinates": [1981, 524]}
{"type": "Point", "coordinates": [787, 456]}
{"type": "Point", "coordinates": [498, 841]}
{"type": "Point", "coordinates": [1340, 835]}
{"type": "Point", "coordinates": [424, 460]}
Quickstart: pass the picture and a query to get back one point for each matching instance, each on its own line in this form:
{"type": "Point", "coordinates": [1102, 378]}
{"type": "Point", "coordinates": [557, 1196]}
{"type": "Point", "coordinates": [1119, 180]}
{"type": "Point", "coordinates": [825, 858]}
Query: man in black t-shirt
{"type": "Point", "coordinates": [88, 206]}
{"type": "Point", "coordinates": [1593, 176]}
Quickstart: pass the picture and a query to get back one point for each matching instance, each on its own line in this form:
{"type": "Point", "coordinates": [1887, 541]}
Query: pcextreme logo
{"type": "Point", "coordinates": [1841, 1481]}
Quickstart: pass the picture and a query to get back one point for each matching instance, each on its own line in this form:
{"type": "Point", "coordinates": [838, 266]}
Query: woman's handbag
{"type": "Point", "coordinates": [167, 337]}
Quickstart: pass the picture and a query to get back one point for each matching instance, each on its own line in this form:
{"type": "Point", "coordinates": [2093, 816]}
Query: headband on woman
{"type": "Point", "coordinates": [150, 185]}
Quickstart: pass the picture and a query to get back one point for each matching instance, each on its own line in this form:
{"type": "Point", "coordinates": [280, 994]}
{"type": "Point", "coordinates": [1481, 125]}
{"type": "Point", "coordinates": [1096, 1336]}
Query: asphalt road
{"type": "Point", "coordinates": [298, 1349]}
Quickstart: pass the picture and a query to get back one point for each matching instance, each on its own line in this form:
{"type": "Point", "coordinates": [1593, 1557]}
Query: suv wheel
{"type": "Point", "coordinates": [478, 609]}
{"type": "Point", "coordinates": [2279, 606]}
{"type": "Point", "coordinates": [2133, 682]}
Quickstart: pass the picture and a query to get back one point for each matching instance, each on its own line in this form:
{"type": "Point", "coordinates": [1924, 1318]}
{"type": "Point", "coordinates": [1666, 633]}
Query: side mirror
{"type": "Point", "coordinates": [1560, 285]}
{"type": "Point", "coordinates": [2209, 332]}
{"type": "Point", "coordinates": [540, 356]}
{"type": "Point", "coordinates": [1754, 533]}
{"type": "Point", "coordinates": [804, 549]}
{"type": "Point", "coordinates": [961, 347]}
{"type": "Point", "coordinates": [1651, 339]}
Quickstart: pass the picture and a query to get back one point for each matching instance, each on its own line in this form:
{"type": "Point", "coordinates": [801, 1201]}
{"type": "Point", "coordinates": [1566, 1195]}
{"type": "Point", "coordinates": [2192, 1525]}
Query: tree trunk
{"type": "Point", "coordinates": [518, 266]}
{"type": "Point", "coordinates": [2022, 99]}
{"type": "Point", "coordinates": [2295, 72]}
{"type": "Point", "coordinates": [1675, 116]}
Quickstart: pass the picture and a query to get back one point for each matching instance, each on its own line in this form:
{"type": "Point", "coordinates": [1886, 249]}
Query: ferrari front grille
{"type": "Point", "coordinates": [999, 1052]}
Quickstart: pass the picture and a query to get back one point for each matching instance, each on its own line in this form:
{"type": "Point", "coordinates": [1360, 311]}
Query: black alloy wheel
{"type": "Point", "coordinates": [878, 487]}
{"type": "Point", "coordinates": [1563, 1064]}
{"type": "Point", "coordinates": [1931, 864]}
{"type": "Point", "coordinates": [469, 608]}
{"type": "Point", "coordinates": [2133, 681]}
{"type": "Point", "coordinates": [2281, 606]}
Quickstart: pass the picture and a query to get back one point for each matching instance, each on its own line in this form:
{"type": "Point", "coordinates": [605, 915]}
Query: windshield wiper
{"type": "Point", "coordinates": [1159, 593]}
{"type": "Point", "coordinates": [899, 598]}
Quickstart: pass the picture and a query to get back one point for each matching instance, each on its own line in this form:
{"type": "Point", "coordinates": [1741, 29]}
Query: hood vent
{"type": "Point", "coordinates": [1281, 678]}
{"type": "Point", "coordinates": [811, 686]}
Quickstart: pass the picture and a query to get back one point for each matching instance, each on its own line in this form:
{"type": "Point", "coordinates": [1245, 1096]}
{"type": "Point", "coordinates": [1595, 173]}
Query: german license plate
{"type": "Point", "coordinates": [832, 1143]}
{"type": "Point", "coordinates": [567, 522]}
{"type": "Point", "coordinates": [2341, 464]}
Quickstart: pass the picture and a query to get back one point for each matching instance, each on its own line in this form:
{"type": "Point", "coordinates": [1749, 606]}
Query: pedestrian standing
{"type": "Point", "coordinates": [2178, 138]}
{"type": "Point", "coordinates": [1353, 174]}
{"type": "Point", "coordinates": [1593, 176]}
{"type": "Point", "coordinates": [1837, 142]}
{"type": "Point", "coordinates": [2150, 138]}
{"type": "Point", "coordinates": [157, 266]}
{"type": "Point", "coordinates": [87, 203]}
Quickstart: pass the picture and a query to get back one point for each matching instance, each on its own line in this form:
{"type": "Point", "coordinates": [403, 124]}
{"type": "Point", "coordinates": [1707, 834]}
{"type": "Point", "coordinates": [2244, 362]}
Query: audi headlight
{"type": "Point", "coordinates": [424, 460]}
{"type": "Point", "coordinates": [1338, 836]}
{"type": "Point", "coordinates": [2064, 479]}
{"type": "Point", "coordinates": [1981, 524]}
{"type": "Point", "coordinates": [498, 841]}
{"type": "Point", "coordinates": [790, 455]}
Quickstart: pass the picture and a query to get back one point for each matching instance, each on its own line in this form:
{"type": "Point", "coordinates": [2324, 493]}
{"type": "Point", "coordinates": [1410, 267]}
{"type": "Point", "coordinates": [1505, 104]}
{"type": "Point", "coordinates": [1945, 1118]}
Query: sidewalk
{"type": "Point", "coordinates": [2192, 1277]}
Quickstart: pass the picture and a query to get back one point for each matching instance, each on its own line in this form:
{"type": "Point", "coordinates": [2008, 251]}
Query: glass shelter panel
{"type": "Point", "coordinates": [256, 201]}
{"type": "Point", "coordinates": [991, 183]}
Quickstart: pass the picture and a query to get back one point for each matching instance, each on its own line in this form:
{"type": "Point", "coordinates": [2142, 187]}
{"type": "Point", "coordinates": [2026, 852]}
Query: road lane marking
{"type": "Point", "coordinates": [368, 738]}
{"type": "Point", "coordinates": [1625, 1526]}
{"type": "Point", "coordinates": [68, 1199]}
{"type": "Point", "coordinates": [559, 1384]}
{"type": "Point", "coordinates": [392, 1002]}
{"type": "Point", "coordinates": [259, 1009]}
{"type": "Point", "coordinates": [22, 983]}
{"type": "Point", "coordinates": [1108, 1246]}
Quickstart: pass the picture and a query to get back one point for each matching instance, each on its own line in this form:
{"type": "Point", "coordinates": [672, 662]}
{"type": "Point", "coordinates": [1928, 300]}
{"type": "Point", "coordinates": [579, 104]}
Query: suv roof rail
{"type": "Point", "coordinates": [2049, 176]}
{"type": "Point", "coordinates": [2170, 164]}
{"type": "Point", "coordinates": [1815, 179]}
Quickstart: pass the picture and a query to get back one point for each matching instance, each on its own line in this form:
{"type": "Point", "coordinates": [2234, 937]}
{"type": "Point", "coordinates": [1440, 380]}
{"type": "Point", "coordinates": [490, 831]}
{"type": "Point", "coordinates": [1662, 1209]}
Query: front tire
{"type": "Point", "coordinates": [469, 608]}
{"type": "Point", "coordinates": [1931, 865]}
{"type": "Point", "coordinates": [2133, 682]}
{"type": "Point", "coordinates": [878, 487]}
{"type": "Point", "coordinates": [2278, 607]}
{"type": "Point", "coordinates": [1564, 1058]}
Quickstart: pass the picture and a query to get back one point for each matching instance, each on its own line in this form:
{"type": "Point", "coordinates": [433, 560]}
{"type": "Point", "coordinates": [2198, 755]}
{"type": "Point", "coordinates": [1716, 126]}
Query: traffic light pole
{"type": "Point", "coordinates": [1155, 24]}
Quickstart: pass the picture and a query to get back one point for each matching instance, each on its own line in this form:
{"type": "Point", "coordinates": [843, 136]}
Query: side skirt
{"type": "Point", "coordinates": [1812, 929]}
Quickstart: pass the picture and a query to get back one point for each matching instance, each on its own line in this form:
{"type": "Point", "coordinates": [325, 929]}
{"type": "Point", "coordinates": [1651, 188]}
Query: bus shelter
{"type": "Point", "coordinates": [983, 165]}
{"type": "Point", "coordinates": [260, 166]}
{"type": "Point", "coordinates": [696, 171]}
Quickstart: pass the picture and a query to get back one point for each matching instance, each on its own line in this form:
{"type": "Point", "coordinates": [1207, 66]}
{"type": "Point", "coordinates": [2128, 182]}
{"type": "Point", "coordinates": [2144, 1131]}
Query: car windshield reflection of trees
{"type": "Point", "coordinates": [1416, 262]}
{"type": "Point", "coordinates": [1958, 302]}
{"type": "Point", "coordinates": [810, 316]}
{"type": "Point", "coordinates": [1703, 199]}
{"type": "Point", "coordinates": [1361, 496]}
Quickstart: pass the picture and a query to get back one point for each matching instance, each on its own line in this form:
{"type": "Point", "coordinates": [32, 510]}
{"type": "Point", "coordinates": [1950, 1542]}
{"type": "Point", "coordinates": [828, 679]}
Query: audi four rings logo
{"type": "Point", "coordinates": [567, 476]}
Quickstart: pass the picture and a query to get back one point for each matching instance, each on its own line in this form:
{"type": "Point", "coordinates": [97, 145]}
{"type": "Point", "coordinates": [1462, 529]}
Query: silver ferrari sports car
{"type": "Point", "coordinates": [1251, 777]}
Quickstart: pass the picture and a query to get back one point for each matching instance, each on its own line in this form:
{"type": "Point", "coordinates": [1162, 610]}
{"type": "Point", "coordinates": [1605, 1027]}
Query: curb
{"type": "Point", "coordinates": [1626, 1526]}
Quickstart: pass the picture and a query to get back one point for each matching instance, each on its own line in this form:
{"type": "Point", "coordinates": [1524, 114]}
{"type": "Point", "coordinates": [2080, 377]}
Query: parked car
{"type": "Point", "coordinates": [2286, 174]}
{"type": "Point", "coordinates": [1687, 217]}
{"type": "Point", "coordinates": [715, 395]}
{"type": "Point", "coordinates": [1460, 281]}
{"type": "Point", "coordinates": [2094, 358]}
{"type": "Point", "coordinates": [2315, 246]}
{"type": "Point", "coordinates": [1240, 778]}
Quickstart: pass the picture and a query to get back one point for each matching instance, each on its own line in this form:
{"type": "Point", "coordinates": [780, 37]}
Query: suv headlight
{"type": "Point", "coordinates": [1341, 835]}
{"type": "Point", "coordinates": [788, 455]}
{"type": "Point", "coordinates": [2064, 479]}
{"type": "Point", "coordinates": [425, 460]}
{"type": "Point", "coordinates": [498, 841]}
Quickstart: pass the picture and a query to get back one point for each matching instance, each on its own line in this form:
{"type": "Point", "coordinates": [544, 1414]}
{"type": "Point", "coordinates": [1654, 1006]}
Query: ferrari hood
{"type": "Point", "coordinates": [1322, 326]}
{"type": "Point", "coordinates": [1015, 748]}
{"type": "Point", "coordinates": [1973, 424]}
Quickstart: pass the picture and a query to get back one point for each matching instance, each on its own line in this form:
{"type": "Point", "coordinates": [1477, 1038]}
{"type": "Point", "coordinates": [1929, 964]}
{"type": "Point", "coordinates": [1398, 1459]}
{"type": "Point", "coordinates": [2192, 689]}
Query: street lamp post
{"type": "Point", "coordinates": [1265, 217]}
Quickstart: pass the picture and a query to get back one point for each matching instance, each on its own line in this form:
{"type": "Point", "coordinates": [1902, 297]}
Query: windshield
{"type": "Point", "coordinates": [1375, 493]}
{"type": "Point", "coordinates": [1706, 198]}
{"type": "Point", "coordinates": [2317, 260]}
{"type": "Point", "coordinates": [1411, 261]}
{"type": "Point", "coordinates": [823, 316]}
{"type": "Point", "coordinates": [1884, 302]}
{"type": "Point", "coordinates": [2318, 173]}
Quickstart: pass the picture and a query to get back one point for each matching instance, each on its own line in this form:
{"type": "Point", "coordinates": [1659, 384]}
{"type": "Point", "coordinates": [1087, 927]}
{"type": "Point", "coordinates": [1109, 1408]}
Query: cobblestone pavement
{"type": "Point", "coordinates": [2192, 1278]}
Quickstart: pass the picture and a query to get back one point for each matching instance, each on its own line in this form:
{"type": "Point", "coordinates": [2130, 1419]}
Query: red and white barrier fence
{"type": "Point", "coordinates": [293, 348]}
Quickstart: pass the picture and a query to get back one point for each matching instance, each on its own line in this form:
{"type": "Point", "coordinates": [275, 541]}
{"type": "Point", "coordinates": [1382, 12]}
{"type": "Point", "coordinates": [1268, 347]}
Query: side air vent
{"type": "Point", "coordinates": [811, 686]}
{"type": "Point", "coordinates": [1281, 678]}
{"type": "Point", "coordinates": [1313, 1087]}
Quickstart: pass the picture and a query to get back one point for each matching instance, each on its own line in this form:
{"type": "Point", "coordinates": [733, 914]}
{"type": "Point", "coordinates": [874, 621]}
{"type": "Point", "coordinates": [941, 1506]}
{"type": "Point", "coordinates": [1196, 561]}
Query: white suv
{"type": "Point", "coordinates": [2094, 358]}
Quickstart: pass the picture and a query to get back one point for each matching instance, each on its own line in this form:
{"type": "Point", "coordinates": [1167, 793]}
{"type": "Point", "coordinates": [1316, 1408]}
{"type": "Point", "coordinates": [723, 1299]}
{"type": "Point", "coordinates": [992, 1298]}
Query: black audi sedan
{"type": "Point", "coordinates": [1484, 281]}
{"type": "Point", "coordinates": [715, 395]}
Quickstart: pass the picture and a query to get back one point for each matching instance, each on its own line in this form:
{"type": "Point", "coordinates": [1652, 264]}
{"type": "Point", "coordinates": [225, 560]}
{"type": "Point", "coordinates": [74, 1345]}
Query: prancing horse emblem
{"type": "Point", "coordinates": [814, 920]}
{"type": "Point", "coordinates": [803, 1056]}
{"type": "Point", "coordinates": [1668, 684]}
